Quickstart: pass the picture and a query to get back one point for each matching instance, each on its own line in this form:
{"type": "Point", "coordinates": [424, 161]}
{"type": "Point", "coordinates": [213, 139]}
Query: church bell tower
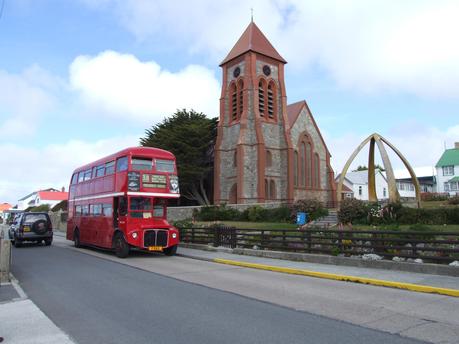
{"type": "Point", "coordinates": [253, 152]}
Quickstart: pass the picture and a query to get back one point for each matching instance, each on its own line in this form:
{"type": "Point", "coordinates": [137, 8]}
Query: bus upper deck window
{"type": "Point", "coordinates": [142, 164]}
{"type": "Point", "coordinates": [122, 164]}
{"type": "Point", "coordinates": [165, 165]}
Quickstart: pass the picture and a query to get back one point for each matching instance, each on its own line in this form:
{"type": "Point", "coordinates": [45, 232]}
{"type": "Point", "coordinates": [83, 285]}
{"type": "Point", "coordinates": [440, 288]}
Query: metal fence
{"type": "Point", "coordinates": [438, 247]}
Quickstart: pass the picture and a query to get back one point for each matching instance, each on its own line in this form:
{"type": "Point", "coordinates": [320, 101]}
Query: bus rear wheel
{"type": "Point", "coordinates": [121, 246]}
{"type": "Point", "coordinates": [170, 251]}
{"type": "Point", "coordinates": [76, 238]}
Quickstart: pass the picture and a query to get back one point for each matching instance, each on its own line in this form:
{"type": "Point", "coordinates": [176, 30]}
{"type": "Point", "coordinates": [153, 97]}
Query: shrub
{"type": "Point", "coordinates": [454, 200]}
{"type": "Point", "coordinates": [352, 210]}
{"type": "Point", "coordinates": [314, 208]}
{"type": "Point", "coordinates": [434, 196]}
{"type": "Point", "coordinates": [63, 205]}
{"type": "Point", "coordinates": [256, 213]}
{"type": "Point", "coordinates": [280, 214]}
{"type": "Point", "coordinates": [41, 208]}
{"type": "Point", "coordinates": [217, 213]}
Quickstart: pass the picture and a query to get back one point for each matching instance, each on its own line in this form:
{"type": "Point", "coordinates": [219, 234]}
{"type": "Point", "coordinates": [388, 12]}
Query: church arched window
{"type": "Point", "coordinates": [240, 98]}
{"type": "Point", "coordinates": [261, 98]}
{"type": "Point", "coordinates": [233, 94]}
{"type": "Point", "coordinates": [295, 168]}
{"type": "Point", "coordinates": [302, 162]}
{"type": "Point", "coordinates": [272, 189]}
{"type": "Point", "coordinates": [269, 158]}
{"type": "Point", "coordinates": [308, 164]}
{"type": "Point", "coordinates": [316, 171]}
{"type": "Point", "coordinates": [272, 100]}
{"type": "Point", "coordinates": [233, 194]}
{"type": "Point", "coordinates": [235, 158]}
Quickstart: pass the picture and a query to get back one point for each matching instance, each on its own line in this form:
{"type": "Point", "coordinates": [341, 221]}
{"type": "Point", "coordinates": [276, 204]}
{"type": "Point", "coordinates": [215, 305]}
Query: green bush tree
{"type": "Point", "coordinates": [190, 136]}
{"type": "Point", "coordinates": [352, 210]}
{"type": "Point", "coordinates": [314, 208]}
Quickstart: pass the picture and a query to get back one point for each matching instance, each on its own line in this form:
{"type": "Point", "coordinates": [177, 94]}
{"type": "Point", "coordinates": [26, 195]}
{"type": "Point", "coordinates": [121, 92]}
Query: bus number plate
{"type": "Point", "coordinates": [155, 248]}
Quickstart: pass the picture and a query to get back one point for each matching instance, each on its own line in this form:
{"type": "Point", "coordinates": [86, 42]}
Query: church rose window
{"type": "Point", "coordinates": [236, 72]}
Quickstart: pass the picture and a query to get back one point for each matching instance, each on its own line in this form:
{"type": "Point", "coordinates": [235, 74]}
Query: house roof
{"type": "Point", "coordinates": [29, 195]}
{"type": "Point", "coordinates": [52, 195]}
{"type": "Point", "coordinates": [35, 192]}
{"type": "Point", "coordinates": [455, 179]}
{"type": "Point", "coordinates": [253, 40]}
{"type": "Point", "coordinates": [359, 177]}
{"type": "Point", "coordinates": [5, 206]}
{"type": "Point", "coordinates": [450, 157]}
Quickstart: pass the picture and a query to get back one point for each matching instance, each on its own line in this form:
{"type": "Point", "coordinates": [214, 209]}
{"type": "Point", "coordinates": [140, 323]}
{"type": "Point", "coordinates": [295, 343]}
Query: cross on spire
{"type": "Point", "coordinates": [251, 11]}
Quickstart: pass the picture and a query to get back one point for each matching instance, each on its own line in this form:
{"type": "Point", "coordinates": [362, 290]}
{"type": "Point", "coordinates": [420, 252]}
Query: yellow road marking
{"type": "Point", "coordinates": [347, 278]}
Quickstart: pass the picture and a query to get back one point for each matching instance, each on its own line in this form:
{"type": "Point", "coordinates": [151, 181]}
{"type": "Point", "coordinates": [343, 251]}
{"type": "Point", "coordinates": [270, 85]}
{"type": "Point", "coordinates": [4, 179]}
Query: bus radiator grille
{"type": "Point", "coordinates": [161, 238]}
{"type": "Point", "coordinates": [155, 238]}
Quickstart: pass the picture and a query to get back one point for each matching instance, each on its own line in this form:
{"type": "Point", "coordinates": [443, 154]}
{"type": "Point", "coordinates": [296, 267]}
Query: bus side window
{"type": "Point", "coordinates": [123, 206]}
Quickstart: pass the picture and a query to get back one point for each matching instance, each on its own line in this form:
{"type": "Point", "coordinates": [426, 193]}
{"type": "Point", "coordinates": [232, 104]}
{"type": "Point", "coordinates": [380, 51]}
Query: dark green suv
{"type": "Point", "coordinates": [35, 227]}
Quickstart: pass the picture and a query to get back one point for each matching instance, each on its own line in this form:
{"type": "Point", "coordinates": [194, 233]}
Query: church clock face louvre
{"type": "Point", "coordinates": [266, 70]}
{"type": "Point", "coordinates": [236, 72]}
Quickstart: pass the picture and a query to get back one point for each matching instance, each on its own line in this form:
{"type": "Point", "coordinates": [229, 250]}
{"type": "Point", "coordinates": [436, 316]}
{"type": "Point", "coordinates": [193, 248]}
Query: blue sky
{"type": "Point", "coordinates": [82, 78]}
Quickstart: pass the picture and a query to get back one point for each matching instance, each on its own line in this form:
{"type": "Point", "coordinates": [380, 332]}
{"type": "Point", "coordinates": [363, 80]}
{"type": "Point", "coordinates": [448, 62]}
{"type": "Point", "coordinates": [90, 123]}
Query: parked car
{"type": "Point", "coordinates": [35, 227]}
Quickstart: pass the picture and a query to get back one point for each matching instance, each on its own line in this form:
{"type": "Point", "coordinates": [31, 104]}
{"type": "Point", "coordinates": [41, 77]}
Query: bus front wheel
{"type": "Point", "coordinates": [121, 246]}
{"type": "Point", "coordinates": [170, 251]}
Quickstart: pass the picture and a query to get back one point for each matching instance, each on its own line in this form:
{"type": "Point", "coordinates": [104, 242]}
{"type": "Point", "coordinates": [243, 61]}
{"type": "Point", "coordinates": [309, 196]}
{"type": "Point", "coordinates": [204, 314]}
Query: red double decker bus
{"type": "Point", "coordinates": [120, 202]}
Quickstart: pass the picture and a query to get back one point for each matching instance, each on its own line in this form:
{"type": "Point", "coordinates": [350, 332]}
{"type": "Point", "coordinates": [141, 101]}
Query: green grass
{"type": "Point", "coordinates": [252, 225]}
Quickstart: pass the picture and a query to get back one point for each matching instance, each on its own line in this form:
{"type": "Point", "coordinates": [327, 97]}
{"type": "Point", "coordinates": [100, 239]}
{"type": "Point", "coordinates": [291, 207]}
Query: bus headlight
{"type": "Point", "coordinates": [134, 235]}
{"type": "Point", "coordinates": [174, 235]}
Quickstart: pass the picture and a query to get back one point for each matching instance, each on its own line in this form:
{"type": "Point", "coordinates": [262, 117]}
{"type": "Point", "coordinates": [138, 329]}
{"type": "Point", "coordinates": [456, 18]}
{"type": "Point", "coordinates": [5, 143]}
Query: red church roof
{"type": "Point", "coordinates": [52, 195]}
{"type": "Point", "coordinates": [253, 40]}
{"type": "Point", "coordinates": [293, 110]}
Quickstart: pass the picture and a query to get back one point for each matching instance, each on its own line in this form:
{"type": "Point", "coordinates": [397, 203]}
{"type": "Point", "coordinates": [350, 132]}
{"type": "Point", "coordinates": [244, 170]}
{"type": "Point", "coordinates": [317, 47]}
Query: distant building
{"type": "Point", "coordinates": [448, 171]}
{"type": "Point", "coordinates": [49, 196]}
{"type": "Point", "coordinates": [356, 185]}
{"type": "Point", "coordinates": [3, 208]}
{"type": "Point", "coordinates": [426, 178]}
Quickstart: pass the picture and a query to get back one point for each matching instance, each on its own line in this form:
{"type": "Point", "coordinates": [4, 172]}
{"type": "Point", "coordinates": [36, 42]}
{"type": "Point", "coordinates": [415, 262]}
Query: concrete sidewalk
{"type": "Point", "coordinates": [22, 322]}
{"type": "Point", "coordinates": [446, 285]}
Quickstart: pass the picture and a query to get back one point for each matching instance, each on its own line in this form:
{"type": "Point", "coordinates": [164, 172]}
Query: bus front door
{"type": "Point", "coordinates": [120, 209]}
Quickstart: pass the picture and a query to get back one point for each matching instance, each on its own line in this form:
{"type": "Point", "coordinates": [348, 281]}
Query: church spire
{"type": "Point", "coordinates": [253, 40]}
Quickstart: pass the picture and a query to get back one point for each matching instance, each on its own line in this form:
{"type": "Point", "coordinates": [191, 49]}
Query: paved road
{"type": "Point", "coordinates": [96, 300]}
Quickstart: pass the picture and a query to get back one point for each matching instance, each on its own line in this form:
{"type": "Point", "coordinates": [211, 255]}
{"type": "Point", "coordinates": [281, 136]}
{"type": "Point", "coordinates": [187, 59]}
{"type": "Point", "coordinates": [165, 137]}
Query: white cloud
{"type": "Point", "coordinates": [30, 168]}
{"type": "Point", "coordinates": [122, 85]}
{"type": "Point", "coordinates": [396, 46]}
{"type": "Point", "coordinates": [421, 145]}
{"type": "Point", "coordinates": [25, 98]}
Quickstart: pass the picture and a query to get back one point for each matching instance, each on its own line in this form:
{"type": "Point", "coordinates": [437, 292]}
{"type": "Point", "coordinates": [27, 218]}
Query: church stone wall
{"type": "Point", "coordinates": [229, 75]}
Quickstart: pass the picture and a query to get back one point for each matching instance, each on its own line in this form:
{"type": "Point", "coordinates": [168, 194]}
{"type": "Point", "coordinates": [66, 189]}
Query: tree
{"type": "Point", "coordinates": [364, 168]}
{"type": "Point", "coordinates": [190, 136]}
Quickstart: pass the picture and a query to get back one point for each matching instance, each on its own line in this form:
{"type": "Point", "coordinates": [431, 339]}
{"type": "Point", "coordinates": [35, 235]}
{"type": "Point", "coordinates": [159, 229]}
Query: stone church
{"type": "Point", "coordinates": [266, 150]}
